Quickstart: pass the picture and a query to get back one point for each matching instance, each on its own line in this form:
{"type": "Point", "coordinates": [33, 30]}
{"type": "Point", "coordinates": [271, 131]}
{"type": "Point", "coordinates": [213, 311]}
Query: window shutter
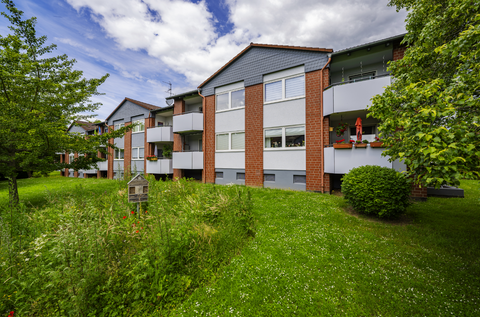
{"type": "Point", "coordinates": [141, 152]}
{"type": "Point", "coordinates": [295, 131]}
{"type": "Point", "coordinates": [238, 141]}
{"type": "Point", "coordinates": [273, 91]}
{"type": "Point", "coordinates": [222, 142]}
{"type": "Point", "coordinates": [273, 133]}
{"type": "Point", "coordinates": [295, 87]}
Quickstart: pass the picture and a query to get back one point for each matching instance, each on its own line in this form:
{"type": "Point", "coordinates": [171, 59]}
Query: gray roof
{"type": "Point", "coordinates": [184, 94]}
{"type": "Point", "coordinates": [354, 48]}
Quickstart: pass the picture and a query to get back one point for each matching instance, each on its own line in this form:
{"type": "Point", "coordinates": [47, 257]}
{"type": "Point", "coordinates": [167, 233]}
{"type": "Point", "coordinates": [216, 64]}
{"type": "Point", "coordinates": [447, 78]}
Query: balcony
{"type": "Point", "coordinates": [353, 95]}
{"type": "Point", "coordinates": [341, 161]}
{"type": "Point", "coordinates": [102, 166]}
{"type": "Point", "coordinates": [188, 160]}
{"type": "Point", "coordinates": [161, 166]}
{"type": "Point", "coordinates": [160, 134]}
{"type": "Point", "coordinates": [188, 122]}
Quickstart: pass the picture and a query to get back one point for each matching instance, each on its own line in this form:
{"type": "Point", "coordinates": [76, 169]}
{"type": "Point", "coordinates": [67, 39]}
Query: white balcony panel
{"type": "Point", "coordinates": [161, 166]}
{"type": "Point", "coordinates": [341, 161]}
{"type": "Point", "coordinates": [160, 134]}
{"type": "Point", "coordinates": [292, 160]}
{"type": "Point", "coordinates": [188, 122]}
{"type": "Point", "coordinates": [102, 166]}
{"type": "Point", "coordinates": [234, 160]}
{"type": "Point", "coordinates": [353, 96]}
{"type": "Point", "coordinates": [91, 171]}
{"type": "Point", "coordinates": [188, 160]}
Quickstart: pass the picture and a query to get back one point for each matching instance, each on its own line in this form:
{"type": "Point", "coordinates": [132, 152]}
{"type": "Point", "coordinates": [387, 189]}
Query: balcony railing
{"type": "Point", "coordinates": [102, 166]}
{"type": "Point", "coordinates": [160, 134]}
{"type": "Point", "coordinates": [353, 95]}
{"type": "Point", "coordinates": [188, 122]}
{"type": "Point", "coordinates": [341, 161]}
{"type": "Point", "coordinates": [188, 160]}
{"type": "Point", "coordinates": [161, 166]}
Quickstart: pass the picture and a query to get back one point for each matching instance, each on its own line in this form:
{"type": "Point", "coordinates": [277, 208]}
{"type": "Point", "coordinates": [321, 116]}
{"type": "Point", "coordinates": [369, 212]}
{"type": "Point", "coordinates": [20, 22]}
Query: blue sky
{"type": "Point", "coordinates": [143, 44]}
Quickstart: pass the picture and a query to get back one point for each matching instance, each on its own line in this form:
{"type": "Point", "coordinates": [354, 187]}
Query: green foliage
{"type": "Point", "coordinates": [167, 150]}
{"type": "Point", "coordinates": [434, 99]}
{"type": "Point", "coordinates": [376, 190]}
{"type": "Point", "coordinates": [40, 95]}
{"type": "Point", "coordinates": [88, 253]}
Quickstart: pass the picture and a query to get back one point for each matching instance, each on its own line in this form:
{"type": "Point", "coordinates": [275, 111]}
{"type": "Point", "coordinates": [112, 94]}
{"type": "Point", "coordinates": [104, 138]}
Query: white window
{"type": "Point", "coordinates": [70, 158]}
{"type": "Point", "coordinates": [118, 126]}
{"type": "Point", "coordinates": [232, 141]}
{"type": "Point", "coordinates": [118, 155]}
{"type": "Point", "coordinates": [288, 137]}
{"type": "Point", "coordinates": [140, 127]}
{"type": "Point", "coordinates": [284, 89]}
{"type": "Point", "coordinates": [230, 100]}
{"type": "Point", "coordinates": [138, 153]}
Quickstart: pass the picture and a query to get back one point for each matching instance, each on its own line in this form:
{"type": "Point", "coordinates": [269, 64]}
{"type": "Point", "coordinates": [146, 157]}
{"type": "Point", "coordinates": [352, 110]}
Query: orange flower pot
{"type": "Point", "coordinates": [342, 146]}
{"type": "Point", "coordinates": [376, 144]}
{"type": "Point", "coordinates": [361, 145]}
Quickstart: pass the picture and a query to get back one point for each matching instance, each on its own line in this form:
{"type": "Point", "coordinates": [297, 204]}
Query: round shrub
{"type": "Point", "coordinates": [376, 190]}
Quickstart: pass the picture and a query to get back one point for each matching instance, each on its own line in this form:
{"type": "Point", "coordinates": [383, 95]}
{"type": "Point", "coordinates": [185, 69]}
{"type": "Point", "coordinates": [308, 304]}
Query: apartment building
{"type": "Point", "coordinates": [267, 118]}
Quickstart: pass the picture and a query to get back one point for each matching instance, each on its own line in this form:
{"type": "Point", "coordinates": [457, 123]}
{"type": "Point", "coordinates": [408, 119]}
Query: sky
{"type": "Point", "coordinates": [145, 44]}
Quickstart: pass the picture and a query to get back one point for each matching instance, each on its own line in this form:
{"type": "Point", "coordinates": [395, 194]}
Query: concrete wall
{"type": "Point", "coordinates": [235, 160]}
{"type": "Point", "coordinates": [284, 179]}
{"type": "Point", "coordinates": [228, 121]}
{"type": "Point", "coordinates": [289, 159]}
{"type": "Point", "coordinates": [284, 113]}
{"type": "Point", "coordinates": [229, 176]}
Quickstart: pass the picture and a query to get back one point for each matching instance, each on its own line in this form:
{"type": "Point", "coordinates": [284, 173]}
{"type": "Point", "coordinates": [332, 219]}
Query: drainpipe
{"type": "Point", "coordinates": [204, 135]}
{"type": "Point", "coordinates": [322, 145]}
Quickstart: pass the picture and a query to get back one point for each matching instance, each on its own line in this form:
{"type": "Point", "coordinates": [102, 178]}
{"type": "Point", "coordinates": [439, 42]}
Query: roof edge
{"type": "Point", "coordinates": [361, 46]}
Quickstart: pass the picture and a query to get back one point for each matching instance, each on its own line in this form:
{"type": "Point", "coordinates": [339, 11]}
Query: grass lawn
{"type": "Point", "coordinates": [311, 257]}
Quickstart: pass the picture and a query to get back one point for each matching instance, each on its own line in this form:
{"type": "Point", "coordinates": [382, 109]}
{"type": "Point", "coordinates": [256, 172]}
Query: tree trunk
{"type": "Point", "coordinates": [13, 192]}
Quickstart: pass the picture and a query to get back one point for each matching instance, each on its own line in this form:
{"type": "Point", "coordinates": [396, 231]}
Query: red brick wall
{"type": "Point", "coordinates": [75, 173]}
{"type": "Point", "coordinates": [149, 148]}
{"type": "Point", "coordinates": [419, 192]}
{"type": "Point", "coordinates": [398, 51]}
{"type": "Point", "coordinates": [178, 107]}
{"type": "Point", "coordinates": [254, 135]}
{"type": "Point", "coordinates": [326, 141]}
{"type": "Point", "coordinates": [111, 153]}
{"type": "Point", "coordinates": [313, 130]}
{"type": "Point", "coordinates": [127, 148]}
{"type": "Point", "coordinates": [67, 160]}
{"type": "Point", "coordinates": [208, 140]}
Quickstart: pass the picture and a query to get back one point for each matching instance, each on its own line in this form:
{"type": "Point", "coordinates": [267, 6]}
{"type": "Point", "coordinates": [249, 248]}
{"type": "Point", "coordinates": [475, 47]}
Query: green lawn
{"type": "Point", "coordinates": [311, 257]}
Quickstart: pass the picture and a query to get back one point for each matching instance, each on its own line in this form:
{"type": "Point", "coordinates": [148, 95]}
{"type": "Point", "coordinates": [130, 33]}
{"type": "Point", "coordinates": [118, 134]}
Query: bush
{"type": "Point", "coordinates": [376, 190]}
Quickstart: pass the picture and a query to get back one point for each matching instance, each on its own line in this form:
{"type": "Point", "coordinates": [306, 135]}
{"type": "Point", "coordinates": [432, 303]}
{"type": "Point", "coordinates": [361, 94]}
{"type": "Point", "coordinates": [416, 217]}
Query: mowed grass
{"type": "Point", "coordinates": [311, 257]}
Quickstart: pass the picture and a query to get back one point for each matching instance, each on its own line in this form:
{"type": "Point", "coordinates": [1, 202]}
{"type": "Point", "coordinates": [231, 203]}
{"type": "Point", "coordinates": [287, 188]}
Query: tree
{"type": "Point", "coordinates": [430, 114]}
{"type": "Point", "coordinates": [40, 94]}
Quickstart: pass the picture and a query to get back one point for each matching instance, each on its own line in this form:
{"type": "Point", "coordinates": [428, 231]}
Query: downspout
{"type": "Point", "coordinates": [204, 135]}
{"type": "Point", "coordinates": [322, 145]}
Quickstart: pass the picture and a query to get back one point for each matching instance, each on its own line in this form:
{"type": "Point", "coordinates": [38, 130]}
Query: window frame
{"type": "Point", "coordinates": [138, 157]}
{"type": "Point", "coordinates": [229, 142]}
{"type": "Point", "coordinates": [119, 151]}
{"type": "Point", "coordinates": [134, 130]}
{"type": "Point", "coordinates": [284, 90]}
{"type": "Point", "coordinates": [120, 125]}
{"type": "Point", "coordinates": [229, 100]}
{"type": "Point", "coordinates": [284, 139]}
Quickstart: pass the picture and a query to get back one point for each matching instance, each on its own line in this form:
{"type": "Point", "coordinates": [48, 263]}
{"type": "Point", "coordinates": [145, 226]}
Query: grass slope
{"type": "Point", "coordinates": [311, 258]}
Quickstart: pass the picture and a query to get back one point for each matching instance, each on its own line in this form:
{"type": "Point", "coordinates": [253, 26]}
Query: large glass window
{"type": "Point", "coordinates": [286, 88]}
{"type": "Point", "coordinates": [295, 137]}
{"type": "Point", "coordinates": [138, 153]}
{"type": "Point", "coordinates": [222, 142]}
{"type": "Point", "coordinates": [230, 141]}
{"type": "Point", "coordinates": [118, 155]}
{"type": "Point", "coordinates": [273, 138]}
{"type": "Point", "coordinates": [285, 137]}
{"type": "Point", "coordinates": [140, 127]}
{"type": "Point", "coordinates": [231, 100]}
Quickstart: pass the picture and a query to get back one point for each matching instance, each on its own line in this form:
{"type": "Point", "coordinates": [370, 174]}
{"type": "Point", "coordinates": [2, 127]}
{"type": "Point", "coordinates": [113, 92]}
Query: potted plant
{"type": "Point", "coordinates": [167, 151]}
{"type": "Point", "coordinates": [152, 157]}
{"type": "Point", "coordinates": [342, 144]}
{"type": "Point", "coordinates": [377, 142]}
{"type": "Point", "coordinates": [361, 144]}
{"type": "Point", "coordinates": [342, 127]}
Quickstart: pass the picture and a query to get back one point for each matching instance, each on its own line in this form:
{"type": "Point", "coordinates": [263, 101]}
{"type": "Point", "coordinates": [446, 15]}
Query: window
{"type": "Point", "coordinates": [231, 100]}
{"type": "Point", "coordinates": [233, 141]}
{"type": "Point", "coordinates": [291, 137]}
{"type": "Point", "coordinates": [137, 153]}
{"type": "Point", "coordinates": [366, 75]}
{"type": "Point", "coordinates": [299, 179]}
{"type": "Point", "coordinates": [140, 127]}
{"type": "Point", "coordinates": [284, 89]}
{"type": "Point", "coordinates": [70, 158]}
{"type": "Point", "coordinates": [218, 174]}
{"type": "Point", "coordinates": [118, 155]}
{"type": "Point", "coordinates": [240, 176]}
{"type": "Point", "coordinates": [118, 126]}
{"type": "Point", "coordinates": [269, 177]}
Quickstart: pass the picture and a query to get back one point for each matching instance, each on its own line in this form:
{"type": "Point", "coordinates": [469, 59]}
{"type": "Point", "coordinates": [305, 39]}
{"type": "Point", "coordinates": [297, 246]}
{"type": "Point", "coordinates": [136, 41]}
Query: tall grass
{"type": "Point", "coordinates": [88, 253]}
